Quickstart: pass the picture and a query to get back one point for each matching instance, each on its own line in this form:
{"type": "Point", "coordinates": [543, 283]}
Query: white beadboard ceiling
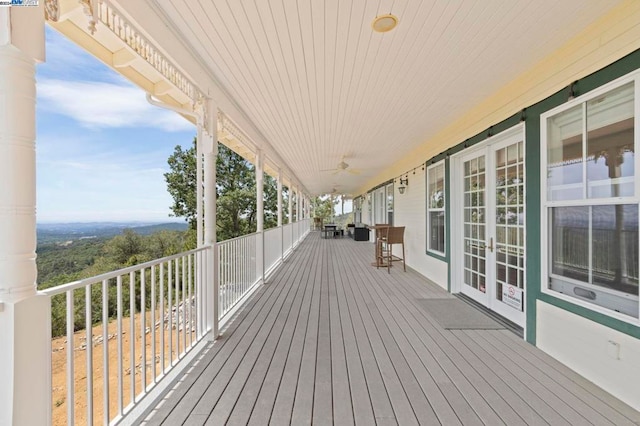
{"type": "Point", "coordinates": [322, 86]}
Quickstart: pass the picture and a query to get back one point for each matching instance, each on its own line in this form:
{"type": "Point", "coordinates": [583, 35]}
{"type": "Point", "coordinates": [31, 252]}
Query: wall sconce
{"type": "Point", "coordinates": [403, 185]}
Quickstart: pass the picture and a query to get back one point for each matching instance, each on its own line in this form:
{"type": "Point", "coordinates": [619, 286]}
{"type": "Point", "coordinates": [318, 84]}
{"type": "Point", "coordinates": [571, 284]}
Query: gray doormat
{"type": "Point", "coordinates": [454, 314]}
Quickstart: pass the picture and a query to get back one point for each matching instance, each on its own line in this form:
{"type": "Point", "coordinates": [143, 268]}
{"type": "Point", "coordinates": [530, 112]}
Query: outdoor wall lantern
{"type": "Point", "coordinates": [403, 185]}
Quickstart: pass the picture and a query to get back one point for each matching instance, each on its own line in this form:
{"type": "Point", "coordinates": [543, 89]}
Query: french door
{"type": "Point", "coordinates": [489, 254]}
{"type": "Point", "coordinates": [381, 204]}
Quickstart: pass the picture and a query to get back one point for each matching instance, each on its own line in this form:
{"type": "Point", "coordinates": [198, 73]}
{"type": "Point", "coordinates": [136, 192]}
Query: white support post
{"type": "Point", "coordinates": [298, 206]}
{"type": "Point", "coordinates": [290, 203]}
{"type": "Point", "coordinates": [199, 178]}
{"type": "Point", "coordinates": [279, 190]}
{"type": "Point", "coordinates": [260, 213]}
{"type": "Point", "coordinates": [306, 206]}
{"type": "Point", "coordinates": [210, 151]}
{"type": "Point", "coordinates": [25, 315]}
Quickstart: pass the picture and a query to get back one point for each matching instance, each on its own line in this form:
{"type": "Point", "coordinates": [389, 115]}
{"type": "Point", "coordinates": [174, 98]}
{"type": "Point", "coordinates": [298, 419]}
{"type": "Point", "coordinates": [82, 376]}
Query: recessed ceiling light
{"type": "Point", "coordinates": [384, 23]}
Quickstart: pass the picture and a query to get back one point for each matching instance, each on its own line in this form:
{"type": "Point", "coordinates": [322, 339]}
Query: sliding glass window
{"type": "Point", "coordinates": [591, 201]}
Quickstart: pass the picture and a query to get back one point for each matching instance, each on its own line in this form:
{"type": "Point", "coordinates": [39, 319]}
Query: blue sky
{"type": "Point", "coordinates": [101, 149]}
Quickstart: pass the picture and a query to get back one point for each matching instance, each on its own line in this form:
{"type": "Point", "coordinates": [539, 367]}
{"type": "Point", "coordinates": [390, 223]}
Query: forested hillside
{"type": "Point", "coordinates": [61, 263]}
{"type": "Point", "coordinates": [62, 260]}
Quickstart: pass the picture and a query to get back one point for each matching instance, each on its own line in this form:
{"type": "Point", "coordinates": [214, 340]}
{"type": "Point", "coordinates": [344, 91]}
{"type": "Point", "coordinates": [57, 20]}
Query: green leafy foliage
{"type": "Point", "coordinates": [323, 207]}
{"type": "Point", "coordinates": [61, 263]}
{"type": "Point", "coordinates": [235, 190]}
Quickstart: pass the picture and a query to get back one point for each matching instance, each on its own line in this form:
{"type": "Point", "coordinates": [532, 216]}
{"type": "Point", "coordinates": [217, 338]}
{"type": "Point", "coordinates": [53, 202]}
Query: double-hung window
{"type": "Point", "coordinates": [590, 199]}
{"type": "Point", "coordinates": [436, 209]}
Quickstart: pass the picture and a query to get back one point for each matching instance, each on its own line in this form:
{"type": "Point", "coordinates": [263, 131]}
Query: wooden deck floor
{"type": "Point", "coordinates": [332, 340]}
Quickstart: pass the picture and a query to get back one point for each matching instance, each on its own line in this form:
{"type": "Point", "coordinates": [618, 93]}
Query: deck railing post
{"type": "Point", "coordinates": [208, 131]}
{"type": "Point", "coordinates": [279, 190]}
{"type": "Point", "coordinates": [260, 215]}
{"type": "Point", "coordinates": [25, 315]}
{"type": "Point", "coordinates": [290, 200]}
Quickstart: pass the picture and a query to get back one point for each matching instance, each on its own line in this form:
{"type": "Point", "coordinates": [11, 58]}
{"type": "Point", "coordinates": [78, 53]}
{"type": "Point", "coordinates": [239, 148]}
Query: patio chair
{"type": "Point", "coordinates": [394, 235]}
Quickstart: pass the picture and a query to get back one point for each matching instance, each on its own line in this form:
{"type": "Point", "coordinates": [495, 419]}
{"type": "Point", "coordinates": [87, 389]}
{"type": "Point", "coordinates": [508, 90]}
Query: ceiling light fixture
{"type": "Point", "coordinates": [384, 23]}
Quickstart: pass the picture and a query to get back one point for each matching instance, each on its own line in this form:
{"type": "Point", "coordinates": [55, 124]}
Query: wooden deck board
{"type": "Point", "coordinates": [331, 340]}
{"type": "Point", "coordinates": [539, 407]}
{"type": "Point", "coordinates": [305, 386]}
{"type": "Point", "coordinates": [340, 382]}
{"type": "Point", "coordinates": [285, 394]}
{"type": "Point", "coordinates": [359, 391]}
{"type": "Point", "coordinates": [421, 324]}
{"type": "Point", "coordinates": [259, 391]}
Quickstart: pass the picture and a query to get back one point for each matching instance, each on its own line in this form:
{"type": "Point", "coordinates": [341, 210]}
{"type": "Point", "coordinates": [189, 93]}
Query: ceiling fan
{"type": "Point", "coordinates": [342, 166]}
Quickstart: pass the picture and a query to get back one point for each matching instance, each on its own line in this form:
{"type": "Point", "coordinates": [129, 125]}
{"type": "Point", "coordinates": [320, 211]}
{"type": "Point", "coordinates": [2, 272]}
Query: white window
{"type": "Point", "coordinates": [590, 199]}
{"type": "Point", "coordinates": [436, 209]}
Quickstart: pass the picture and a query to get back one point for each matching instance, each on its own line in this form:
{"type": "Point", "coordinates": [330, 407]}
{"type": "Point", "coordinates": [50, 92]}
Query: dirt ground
{"type": "Point", "coordinates": [59, 367]}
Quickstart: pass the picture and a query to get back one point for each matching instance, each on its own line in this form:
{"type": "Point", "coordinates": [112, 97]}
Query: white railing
{"type": "Point", "coordinates": [137, 323]}
{"type": "Point", "coordinates": [133, 325]}
{"type": "Point", "coordinates": [295, 234]}
{"type": "Point", "coordinates": [272, 249]}
{"type": "Point", "coordinates": [237, 270]}
{"type": "Point", "coordinates": [287, 238]}
{"type": "Point", "coordinates": [242, 262]}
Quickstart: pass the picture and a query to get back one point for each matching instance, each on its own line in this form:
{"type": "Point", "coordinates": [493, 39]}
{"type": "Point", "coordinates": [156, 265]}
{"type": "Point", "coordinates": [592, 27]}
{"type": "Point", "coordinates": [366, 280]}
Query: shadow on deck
{"type": "Point", "coordinates": [332, 340]}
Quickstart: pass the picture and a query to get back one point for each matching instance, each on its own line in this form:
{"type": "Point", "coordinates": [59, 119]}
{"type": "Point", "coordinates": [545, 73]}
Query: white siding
{"type": "Point", "coordinates": [410, 210]}
{"type": "Point", "coordinates": [590, 349]}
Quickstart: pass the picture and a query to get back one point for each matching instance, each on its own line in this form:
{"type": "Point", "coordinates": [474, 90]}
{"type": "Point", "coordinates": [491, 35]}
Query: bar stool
{"type": "Point", "coordinates": [393, 235]}
{"type": "Point", "coordinates": [381, 234]}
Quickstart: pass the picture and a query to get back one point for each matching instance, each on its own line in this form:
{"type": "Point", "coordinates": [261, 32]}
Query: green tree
{"type": "Point", "coordinates": [323, 207]}
{"type": "Point", "coordinates": [181, 183]}
{"type": "Point", "coordinates": [235, 189]}
{"type": "Point", "coordinates": [125, 249]}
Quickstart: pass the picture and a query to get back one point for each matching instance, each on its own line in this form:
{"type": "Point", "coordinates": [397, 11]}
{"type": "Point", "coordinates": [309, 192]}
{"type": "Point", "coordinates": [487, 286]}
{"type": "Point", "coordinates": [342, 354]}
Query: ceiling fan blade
{"type": "Point", "coordinates": [354, 171]}
{"type": "Point", "coordinates": [327, 170]}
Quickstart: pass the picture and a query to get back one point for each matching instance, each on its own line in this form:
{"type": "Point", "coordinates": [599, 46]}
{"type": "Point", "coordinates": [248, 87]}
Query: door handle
{"type": "Point", "coordinates": [490, 246]}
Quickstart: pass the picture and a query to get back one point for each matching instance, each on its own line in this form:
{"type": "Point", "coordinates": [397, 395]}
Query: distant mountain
{"type": "Point", "coordinates": [53, 232]}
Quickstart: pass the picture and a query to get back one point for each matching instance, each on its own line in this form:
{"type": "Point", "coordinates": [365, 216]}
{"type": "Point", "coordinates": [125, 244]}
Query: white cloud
{"type": "Point", "coordinates": [106, 105]}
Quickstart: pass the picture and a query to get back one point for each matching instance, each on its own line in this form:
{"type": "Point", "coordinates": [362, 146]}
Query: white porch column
{"type": "Point", "coordinates": [209, 148]}
{"type": "Point", "coordinates": [290, 203]}
{"type": "Point", "coordinates": [199, 192]}
{"type": "Point", "coordinates": [298, 206]}
{"type": "Point", "coordinates": [25, 315]}
{"type": "Point", "coordinates": [306, 207]}
{"type": "Point", "coordinates": [279, 189]}
{"type": "Point", "coordinates": [260, 213]}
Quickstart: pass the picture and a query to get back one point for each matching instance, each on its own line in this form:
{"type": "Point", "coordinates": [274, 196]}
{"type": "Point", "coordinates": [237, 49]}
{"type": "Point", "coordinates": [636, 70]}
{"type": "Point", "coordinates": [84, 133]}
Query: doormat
{"type": "Point", "coordinates": [454, 314]}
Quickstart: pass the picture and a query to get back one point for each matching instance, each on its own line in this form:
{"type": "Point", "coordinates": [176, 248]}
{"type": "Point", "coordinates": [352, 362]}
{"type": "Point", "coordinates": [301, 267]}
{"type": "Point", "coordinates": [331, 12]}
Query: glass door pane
{"type": "Point", "coordinates": [474, 219]}
{"type": "Point", "coordinates": [509, 233]}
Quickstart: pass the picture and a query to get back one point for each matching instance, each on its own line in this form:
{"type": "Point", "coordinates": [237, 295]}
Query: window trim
{"type": "Point", "coordinates": [546, 204]}
{"type": "Point", "coordinates": [442, 164]}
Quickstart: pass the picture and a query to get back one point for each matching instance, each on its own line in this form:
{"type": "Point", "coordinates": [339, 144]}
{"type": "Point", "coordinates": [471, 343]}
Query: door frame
{"type": "Point", "coordinates": [457, 211]}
